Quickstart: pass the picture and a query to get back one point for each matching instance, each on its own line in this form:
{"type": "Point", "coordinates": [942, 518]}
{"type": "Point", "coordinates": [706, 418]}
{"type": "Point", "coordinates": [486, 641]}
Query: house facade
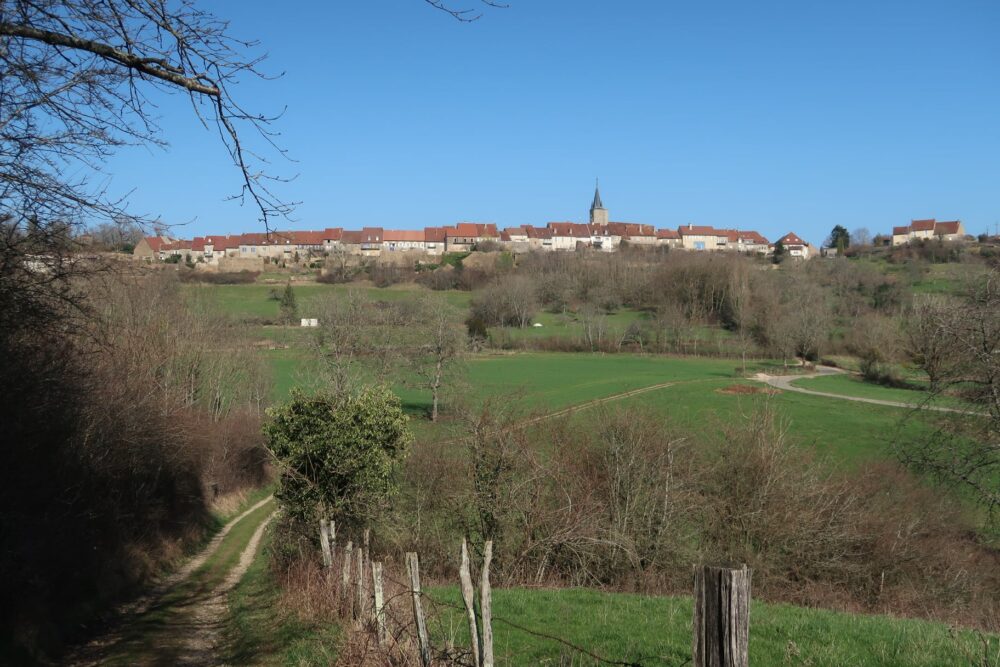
{"type": "Point", "coordinates": [952, 230]}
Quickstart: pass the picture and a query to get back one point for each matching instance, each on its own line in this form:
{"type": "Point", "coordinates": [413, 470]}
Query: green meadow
{"type": "Point", "coordinates": [638, 629]}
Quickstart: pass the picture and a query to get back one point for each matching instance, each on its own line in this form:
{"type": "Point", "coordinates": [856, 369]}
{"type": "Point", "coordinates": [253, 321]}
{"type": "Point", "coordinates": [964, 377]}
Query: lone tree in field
{"type": "Point", "coordinates": [442, 340]}
{"type": "Point", "coordinates": [337, 454]}
{"type": "Point", "coordinates": [289, 308]}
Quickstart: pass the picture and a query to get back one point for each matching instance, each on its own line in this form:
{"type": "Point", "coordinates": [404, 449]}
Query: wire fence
{"type": "Point", "coordinates": [391, 620]}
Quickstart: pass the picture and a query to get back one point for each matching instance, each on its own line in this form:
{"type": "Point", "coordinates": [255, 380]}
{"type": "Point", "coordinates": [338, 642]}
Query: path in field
{"type": "Point", "coordinates": [784, 382]}
{"type": "Point", "coordinates": [180, 621]}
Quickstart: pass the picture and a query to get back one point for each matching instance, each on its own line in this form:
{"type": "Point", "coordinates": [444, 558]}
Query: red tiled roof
{"type": "Point", "coordinates": [155, 242]}
{"type": "Point", "coordinates": [332, 233]}
{"type": "Point", "coordinates": [505, 236]}
{"type": "Point", "coordinates": [538, 232]}
{"type": "Point", "coordinates": [306, 238]}
{"type": "Point", "coordinates": [699, 230]}
{"type": "Point", "coordinates": [176, 245]}
{"type": "Point", "coordinates": [198, 244]}
{"type": "Point", "coordinates": [748, 237]}
{"type": "Point", "coordinates": [351, 237]}
{"type": "Point", "coordinates": [570, 229]}
{"type": "Point", "coordinates": [897, 231]}
{"type": "Point", "coordinates": [922, 225]}
{"type": "Point", "coordinates": [950, 227]}
{"type": "Point", "coordinates": [520, 230]}
{"type": "Point", "coordinates": [791, 238]}
{"type": "Point", "coordinates": [630, 229]}
{"type": "Point", "coordinates": [404, 235]}
{"type": "Point", "coordinates": [667, 234]}
{"type": "Point", "coordinates": [486, 230]}
{"type": "Point", "coordinates": [435, 234]}
{"type": "Point", "coordinates": [371, 234]}
{"type": "Point", "coordinates": [222, 242]}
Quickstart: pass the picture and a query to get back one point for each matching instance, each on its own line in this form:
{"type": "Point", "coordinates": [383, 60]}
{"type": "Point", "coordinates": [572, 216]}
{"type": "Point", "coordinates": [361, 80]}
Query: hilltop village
{"type": "Point", "coordinates": [600, 234]}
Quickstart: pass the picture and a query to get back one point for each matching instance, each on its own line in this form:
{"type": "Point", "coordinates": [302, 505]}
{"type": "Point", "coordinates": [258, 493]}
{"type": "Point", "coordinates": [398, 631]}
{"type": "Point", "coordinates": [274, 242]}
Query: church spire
{"type": "Point", "coordinates": [597, 196]}
{"type": "Point", "coordinates": [598, 214]}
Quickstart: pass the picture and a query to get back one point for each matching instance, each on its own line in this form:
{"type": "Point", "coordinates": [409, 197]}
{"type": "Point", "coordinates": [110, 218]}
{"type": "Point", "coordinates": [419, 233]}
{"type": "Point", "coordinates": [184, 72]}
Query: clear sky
{"type": "Point", "coordinates": [773, 116]}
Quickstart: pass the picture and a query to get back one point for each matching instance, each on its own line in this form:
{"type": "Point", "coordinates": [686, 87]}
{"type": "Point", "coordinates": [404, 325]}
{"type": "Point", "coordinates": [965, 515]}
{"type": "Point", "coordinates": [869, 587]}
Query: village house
{"type": "Point", "coordinates": [796, 247]}
{"type": "Point", "coordinates": [928, 229]}
{"type": "Point", "coordinates": [465, 235]}
{"type": "Point", "coordinates": [670, 238]}
{"type": "Point", "coordinates": [435, 239]}
{"type": "Point", "coordinates": [569, 235]}
{"type": "Point", "coordinates": [394, 240]}
{"type": "Point", "coordinates": [701, 237]}
{"type": "Point", "coordinates": [149, 247]}
{"type": "Point", "coordinates": [331, 239]}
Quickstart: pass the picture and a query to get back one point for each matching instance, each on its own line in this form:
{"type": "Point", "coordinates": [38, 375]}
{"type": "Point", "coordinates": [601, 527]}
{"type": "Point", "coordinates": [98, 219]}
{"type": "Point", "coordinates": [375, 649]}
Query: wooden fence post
{"type": "Point", "coordinates": [359, 584]}
{"type": "Point", "coordinates": [379, 603]}
{"type": "Point", "coordinates": [367, 538]}
{"type": "Point", "coordinates": [324, 542]}
{"type": "Point", "coordinates": [486, 601]}
{"type": "Point", "coordinates": [721, 617]}
{"type": "Point", "coordinates": [333, 541]}
{"type": "Point", "coordinates": [413, 568]}
{"type": "Point", "coordinates": [345, 579]}
{"type": "Point", "coordinates": [467, 597]}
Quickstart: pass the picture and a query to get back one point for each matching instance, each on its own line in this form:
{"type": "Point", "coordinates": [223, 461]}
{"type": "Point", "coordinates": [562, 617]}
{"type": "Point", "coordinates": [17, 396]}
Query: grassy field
{"type": "Point", "coordinates": [255, 300]}
{"type": "Point", "coordinates": [699, 402]}
{"type": "Point", "coordinates": [850, 385]}
{"type": "Point", "coordinates": [657, 631]}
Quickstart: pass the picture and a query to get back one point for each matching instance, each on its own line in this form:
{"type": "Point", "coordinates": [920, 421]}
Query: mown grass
{"type": "Point", "coordinates": [657, 631]}
{"type": "Point", "coordinates": [255, 301]}
{"type": "Point", "coordinates": [545, 382]}
{"type": "Point", "coordinates": [850, 385]}
{"type": "Point", "coordinates": [260, 631]}
{"type": "Point", "coordinates": [846, 432]}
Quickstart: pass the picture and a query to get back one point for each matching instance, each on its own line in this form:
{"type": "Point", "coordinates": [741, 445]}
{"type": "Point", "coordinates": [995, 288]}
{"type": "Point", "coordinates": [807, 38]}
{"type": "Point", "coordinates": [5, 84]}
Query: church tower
{"type": "Point", "coordinates": [598, 214]}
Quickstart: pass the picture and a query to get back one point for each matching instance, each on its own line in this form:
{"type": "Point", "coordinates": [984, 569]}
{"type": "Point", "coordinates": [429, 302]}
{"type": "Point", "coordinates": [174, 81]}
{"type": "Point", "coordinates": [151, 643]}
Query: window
{"type": "Point", "coordinates": [699, 245]}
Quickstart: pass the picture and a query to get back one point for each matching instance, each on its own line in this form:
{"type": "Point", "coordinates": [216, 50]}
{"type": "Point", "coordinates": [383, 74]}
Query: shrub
{"type": "Point", "coordinates": [338, 454]}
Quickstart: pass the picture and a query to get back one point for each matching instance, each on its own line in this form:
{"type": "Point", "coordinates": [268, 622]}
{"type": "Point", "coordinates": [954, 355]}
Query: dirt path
{"type": "Point", "coordinates": [179, 622]}
{"type": "Point", "coordinates": [208, 615]}
{"type": "Point", "coordinates": [784, 382]}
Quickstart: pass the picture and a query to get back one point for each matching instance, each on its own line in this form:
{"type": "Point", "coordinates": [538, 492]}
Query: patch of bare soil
{"type": "Point", "coordinates": [740, 389]}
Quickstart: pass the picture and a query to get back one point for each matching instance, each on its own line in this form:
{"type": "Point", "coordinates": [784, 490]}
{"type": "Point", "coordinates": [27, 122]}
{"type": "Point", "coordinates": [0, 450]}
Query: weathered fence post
{"type": "Point", "coordinates": [345, 579]}
{"type": "Point", "coordinates": [413, 568]}
{"type": "Point", "coordinates": [486, 602]}
{"type": "Point", "coordinates": [721, 617]}
{"type": "Point", "coordinates": [324, 542]}
{"type": "Point", "coordinates": [378, 607]}
{"type": "Point", "coordinates": [359, 585]}
{"type": "Point", "coordinates": [367, 538]}
{"type": "Point", "coordinates": [467, 597]}
{"type": "Point", "coordinates": [333, 541]}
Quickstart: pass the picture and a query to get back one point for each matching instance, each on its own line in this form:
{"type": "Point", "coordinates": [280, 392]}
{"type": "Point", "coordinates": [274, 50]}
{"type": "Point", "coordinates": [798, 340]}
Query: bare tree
{"type": "Point", "coordinates": [965, 450]}
{"type": "Point", "coordinates": [79, 80]}
{"type": "Point", "coordinates": [928, 336]}
{"type": "Point", "coordinates": [861, 237]}
{"type": "Point", "coordinates": [464, 15]}
{"type": "Point", "coordinates": [442, 341]}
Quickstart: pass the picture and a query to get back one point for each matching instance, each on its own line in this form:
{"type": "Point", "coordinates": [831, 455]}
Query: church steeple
{"type": "Point", "coordinates": [598, 214]}
{"type": "Point", "coordinates": [597, 196]}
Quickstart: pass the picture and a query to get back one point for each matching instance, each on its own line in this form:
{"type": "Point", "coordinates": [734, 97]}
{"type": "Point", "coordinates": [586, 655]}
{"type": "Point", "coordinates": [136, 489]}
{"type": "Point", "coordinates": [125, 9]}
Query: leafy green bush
{"type": "Point", "coordinates": [339, 454]}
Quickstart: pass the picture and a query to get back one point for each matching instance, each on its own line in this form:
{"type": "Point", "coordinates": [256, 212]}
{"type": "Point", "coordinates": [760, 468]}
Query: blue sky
{"type": "Point", "coordinates": [773, 116]}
